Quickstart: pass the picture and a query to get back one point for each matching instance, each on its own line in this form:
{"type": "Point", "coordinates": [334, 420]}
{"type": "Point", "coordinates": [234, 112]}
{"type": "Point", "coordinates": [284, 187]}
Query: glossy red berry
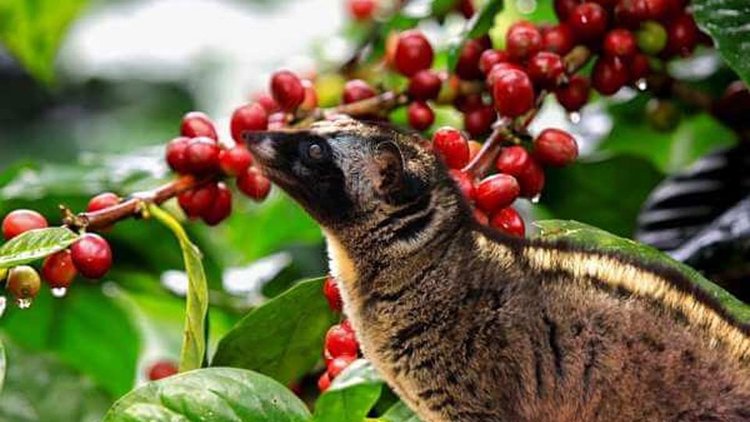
{"type": "Point", "coordinates": [523, 40]}
{"type": "Point", "coordinates": [195, 124]}
{"type": "Point", "coordinates": [420, 115]}
{"type": "Point", "coordinates": [555, 147]}
{"type": "Point", "coordinates": [621, 43]}
{"type": "Point", "coordinates": [287, 90]}
{"type": "Point", "coordinates": [23, 282]}
{"type": "Point", "coordinates": [467, 67]}
{"type": "Point", "coordinates": [498, 70]}
{"type": "Point", "coordinates": [337, 365]}
{"type": "Point", "coordinates": [198, 201]}
{"type": "Point", "coordinates": [413, 53]}
{"type": "Point", "coordinates": [631, 13]}
{"type": "Point", "coordinates": [333, 294]}
{"type": "Point", "coordinates": [513, 160]}
{"type": "Point", "coordinates": [249, 117]}
{"type": "Point", "coordinates": [588, 21]}
{"type": "Point", "coordinates": [91, 255]}
{"type": "Point", "coordinates": [509, 221]}
{"type": "Point", "coordinates": [162, 369]}
{"type": "Point", "coordinates": [324, 382]}
{"type": "Point", "coordinates": [357, 90]}
{"type": "Point", "coordinates": [478, 121]}
{"type": "Point", "coordinates": [102, 201]}
{"type": "Point", "coordinates": [425, 85]}
{"type": "Point", "coordinates": [253, 184]}
{"type": "Point", "coordinates": [451, 144]}
{"type": "Point", "coordinates": [341, 341]}
{"type": "Point", "coordinates": [564, 8]}
{"type": "Point", "coordinates": [496, 191]}
{"type": "Point", "coordinates": [58, 269]}
{"type": "Point", "coordinates": [220, 208]}
{"type": "Point", "coordinates": [682, 36]}
{"type": "Point", "coordinates": [490, 58]}
{"type": "Point", "coordinates": [20, 221]}
{"type": "Point", "coordinates": [609, 75]}
{"type": "Point", "coordinates": [176, 156]}
{"type": "Point", "coordinates": [512, 93]}
{"type": "Point", "coordinates": [546, 69]}
{"type": "Point", "coordinates": [267, 102]}
{"type": "Point", "coordinates": [531, 179]}
{"type": "Point", "coordinates": [464, 183]}
{"type": "Point", "coordinates": [202, 156]}
{"type": "Point", "coordinates": [235, 160]}
{"type": "Point", "coordinates": [640, 67]}
{"type": "Point", "coordinates": [575, 94]}
{"type": "Point", "coordinates": [361, 10]}
{"type": "Point", "coordinates": [558, 39]}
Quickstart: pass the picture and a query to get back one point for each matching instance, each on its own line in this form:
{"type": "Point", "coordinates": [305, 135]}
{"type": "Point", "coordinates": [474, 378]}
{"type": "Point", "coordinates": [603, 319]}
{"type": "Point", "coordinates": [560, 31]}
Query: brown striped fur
{"type": "Point", "coordinates": [467, 324]}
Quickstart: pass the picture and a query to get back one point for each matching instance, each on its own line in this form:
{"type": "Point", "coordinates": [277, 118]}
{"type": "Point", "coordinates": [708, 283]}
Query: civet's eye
{"type": "Point", "coordinates": [315, 152]}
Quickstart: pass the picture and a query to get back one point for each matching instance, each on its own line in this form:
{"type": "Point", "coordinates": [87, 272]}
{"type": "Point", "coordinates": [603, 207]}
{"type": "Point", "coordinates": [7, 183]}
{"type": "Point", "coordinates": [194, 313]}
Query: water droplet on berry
{"type": "Point", "coordinates": [24, 303]}
{"type": "Point", "coordinates": [641, 84]}
{"type": "Point", "coordinates": [536, 198]}
{"type": "Point", "coordinates": [59, 291]}
{"type": "Point", "coordinates": [3, 303]}
{"type": "Point", "coordinates": [574, 117]}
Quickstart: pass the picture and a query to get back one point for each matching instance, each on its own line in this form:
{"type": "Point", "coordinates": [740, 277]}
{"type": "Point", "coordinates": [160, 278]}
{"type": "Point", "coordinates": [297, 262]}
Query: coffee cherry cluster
{"type": "Point", "coordinates": [341, 346]}
{"type": "Point", "coordinates": [89, 256]}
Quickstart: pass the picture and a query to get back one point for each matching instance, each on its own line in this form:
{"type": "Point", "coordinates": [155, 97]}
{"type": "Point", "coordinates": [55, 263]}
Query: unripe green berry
{"type": "Point", "coordinates": [23, 282]}
{"type": "Point", "coordinates": [652, 38]}
{"type": "Point", "coordinates": [662, 115]}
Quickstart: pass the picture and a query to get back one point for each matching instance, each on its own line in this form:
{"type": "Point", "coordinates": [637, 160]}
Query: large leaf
{"type": "Point", "coordinates": [476, 27]}
{"type": "Point", "coordinates": [2, 365]}
{"type": "Point", "coordinates": [213, 394]}
{"type": "Point", "coordinates": [591, 237]}
{"type": "Point", "coordinates": [283, 338]}
{"type": "Point", "coordinates": [35, 244]}
{"type": "Point", "coordinates": [193, 352]}
{"type": "Point", "coordinates": [351, 396]}
{"type": "Point", "coordinates": [32, 30]}
{"type": "Point", "coordinates": [399, 412]}
{"type": "Point", "coordinates": [726, 21]}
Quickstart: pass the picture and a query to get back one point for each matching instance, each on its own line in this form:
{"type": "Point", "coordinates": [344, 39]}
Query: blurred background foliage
{"type": "Point", "coordinates": [95, 117]}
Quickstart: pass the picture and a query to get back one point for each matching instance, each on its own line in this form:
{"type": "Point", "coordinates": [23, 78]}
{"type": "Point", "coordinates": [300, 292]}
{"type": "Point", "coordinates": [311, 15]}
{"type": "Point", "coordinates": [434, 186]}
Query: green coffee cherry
{"type": "Point", "coordinates": [652, 37]}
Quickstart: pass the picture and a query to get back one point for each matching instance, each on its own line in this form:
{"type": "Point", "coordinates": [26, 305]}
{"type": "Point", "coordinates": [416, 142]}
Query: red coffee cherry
{"type": "Point", "coordinates": [558, 39]}
{"type": "Point", "coordinates": [555, 147]}
{"type": "Point", "coordinates": [337, 365]}
{"type": "Point", "coordinates": [640, 67]}
{"type": "Point", "coordinates": [58, 269]}
{"type": "Point", "coordinates": [253, 184]}
{"type": "Point", "coordinates": [609, 75]}
{"type": "Point", "coordinates": [195, 124]}
{"type": "Point", "coordinates": [162, 369]}
{"type": "Point", "coordinates": [464, 182]}
{"type": "Point", "coordinates": [496, 191]}
{"type": "Point", "coordinates": [176, 157]}
{"type": "Point", "coordinates": [620, 43]}
{"type": "Point", "coordinates": [249, 117]}
{"type": "Point", "coordinates": [202, 156]}
{"type": "Point", "coordinates": [468, 102]}
{"type": "Point", "coordinates": [588, 21]}
{"type": "Point", "coordinates": [490, 58]}
{"type": "Point", "coordinates": [513, 160]}
{"type": "Point", "coordinates": [310, 101]}
{"type": "Point", "coordinates": [631, 13]}
{"type": "Point", "coordinates": [531, 179]}
{"type": "Point", "coordinates": [656, 9]}
{"type": "Point", "coordinates": [682, 36]}
{"type": "Point", "coordinates": [425, 85]}
{"type": "Point", "coordinates": [481, 217]}
{"type": "Point", "coordinates": [287, 90]}
{"type": "Point", "coordinates": [512, 92]}
{"type": "Point", "coordinates": [498, 69]}
{"type": "Point", "coordinates": [575, 94]}
{"type": "Point", "coordinates": [523, 40]}
{"type": "Point", "coordinates": [198, 201]}
{"type": "Point", "coordinates": [324, 382]}
{"type": "Point", "coordinates": [413, 53]}
{"type": "Point", "coordinates": [467, 67]}
{"type": "Point", "coordinates": [450, 144]}
{"type": "Point", "coordinates": [361, 10]}
{"type": "Point", "coordinates": [564, 8]}
{"type": "Point", "coordinates": [235, 161]}
{"type": "Point", "coordinates": [341, 341]}
{"type": "Point", "coordinates": [102, 201]}
{"type": "Point", "coordinates": [20, 221]}
{"type": "Point", "coordinates": [478, 121]}
{"type": "Point", "coordinates": [332, 294]}
{"type": "Point", "coordinates": [420, 115]}
{"type": "Point", "coordinates": [508, 221]}
{"type": "Point", "coordinates": [546, 69]}
{"type": "Point", "coordinates": [267, 102]}
{"type": "Point", "coordinates": [91, 255]}
{"type": "Point", "coordinates": [220, 208]}
{"type": "Point", "coordinates": [23, 282]}
{"type": "Point", "coordinates": [357, 90]}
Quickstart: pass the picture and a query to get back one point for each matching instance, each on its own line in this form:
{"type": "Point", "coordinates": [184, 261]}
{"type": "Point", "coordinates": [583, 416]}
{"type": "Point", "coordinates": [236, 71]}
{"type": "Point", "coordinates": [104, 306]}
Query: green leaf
{"type": "Point", "coordinates": [2, 365]}
{"type": "Point", "coordinates": [283, 338]}
{"type": "Point", "coordinates": [606, 193]}
{"type": "Point", "coordinates": [35, 244]}
{"type": "Point", "coordinates": [351, 396]}
{"type": "Point", "coordinates": [399, 412]}
{"type": "Point", "coordinates": [32, 30]}
{"type": "Point", "coordinates": [193, 351]}
{"type": "Point", "coordinates": [476, 27]}
{"type": "Point", "coordinates": [592, 237]}
{"type": "Point", "coordinates": [727, 23]}
{"type": "Point", "coordinates": [212, 394]}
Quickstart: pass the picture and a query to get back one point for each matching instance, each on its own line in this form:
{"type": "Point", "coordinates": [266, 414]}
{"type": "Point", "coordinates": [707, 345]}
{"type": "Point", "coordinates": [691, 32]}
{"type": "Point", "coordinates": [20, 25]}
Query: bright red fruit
{"type": "Point", "coordinates": [531, 179]}
{"type": "Point", "coordinates": [558, 39]}
{"type": "Point", "coordinates": [341, 341]}
{"type": "Point", "coordinates": [176, 157]}
{"type": "Point", "coordinates": [464, 182]}
{"type": "Point", "coordinates": [682, 36]}
{"type": "Point", "coordinates": [337, 365]}
{"type": "Point", "coordinates": [202, 156]}
{"type": "Point", "coordinates": [20, 221]}
{"type": "Point", "coordinates": [248, 117]}
{"type": "Point", "coordinates": [267, 102]}
{"type": "Point", "coordinates": [357, 90]}
{"type": "Point", "coordinates": [332, 294]}
{"type": "Point", "coordinates": [500, 68]}
{"type": "Point", "coordinates": [620, 43]}
{"type": "Point", "coordinates": [513, 160]}
{"type": "Point", "coordinates": [467, 67]}
{"type": "Point", "coordinates": [413, 53]}
{"type": "Point", "coordinates": [509, 221]}
{"type": "Point", "coordinates": [555, 147]}
{"type": "Point", "coordinates": [425, 85]}
{"type": "Point", "coordinates": [361, 10]}
{"type": "Point", "coordinates": [452, 146]}
{"type": "Point", "coordinates": [640, 67]}
{"type": "Point", "coordinates": [575, 94]}
{"type": "Point", "coordinates": [220, 208]}
{"type": "Point", "coordinates": [512, 92]}
{"type": "Point", "coordinates": [496, 191]}
{"type": "Point", "coordinates": [235, 160]}
{"type": "Point", "coordinates": [588, 21]}
{"type": "Point", "coordinates": [196, 123]}
{"type": "Point", "coordinates": [609, 75]}
{"type": "Point", "coordinates": [420, 115]}
{"type": "Point", "coordinates": [91, 255]}
{"type": "Point", "coordinates": [564, 8]}
{"type": "Point", "coordinates": [479, 121]}
{"type": "Point", "coordinates": [490, 58]}
{"type": "Point", "coordinates": [162, 369]}
{"type": "Point", "coordinates": [324, 382]}
{"type": "Point", "coordinates": [198, 201]}
{"type": "Point", "coordinates": [287, 90]}
{"type": "Point", "coordinates": [102, 201]}
{"type": "Point", "coordinates": [58, 269]}
{"type": "Point", "coordinates": [253, 184]}
{"type": "Point", "coordinates": [523, 40]}
{"type": "Point", "coordinates": [546, 69]}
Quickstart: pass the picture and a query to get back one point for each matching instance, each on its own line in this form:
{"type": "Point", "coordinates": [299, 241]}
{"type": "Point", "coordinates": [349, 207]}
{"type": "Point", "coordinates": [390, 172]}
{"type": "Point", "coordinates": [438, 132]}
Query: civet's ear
{"type": "Point", "coordinates": [388, 171]}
